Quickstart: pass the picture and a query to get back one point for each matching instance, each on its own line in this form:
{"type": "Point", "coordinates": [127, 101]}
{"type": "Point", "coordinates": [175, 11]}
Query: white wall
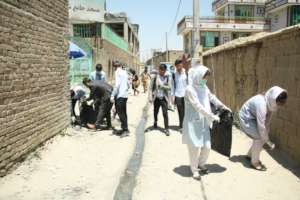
{"type": "Point", "coordinates": [278, 19]}
{"type": "Point", "coordinates": [225, 37]}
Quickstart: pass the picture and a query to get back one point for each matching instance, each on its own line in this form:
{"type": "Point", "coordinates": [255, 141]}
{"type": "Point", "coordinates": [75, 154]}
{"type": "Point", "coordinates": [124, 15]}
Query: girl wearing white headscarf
{"type": "Point", "coordinates": [255, 116]}
{"type": "Point", "coordinates": [198, 119]}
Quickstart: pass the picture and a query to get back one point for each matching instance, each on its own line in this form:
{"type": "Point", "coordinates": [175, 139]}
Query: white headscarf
{"type": "Point", "coordinates": [195, 63]}
{"type": "Point", "coordinates": [271, 96]}
{"type": "Point", "coordinates": [201, 91]}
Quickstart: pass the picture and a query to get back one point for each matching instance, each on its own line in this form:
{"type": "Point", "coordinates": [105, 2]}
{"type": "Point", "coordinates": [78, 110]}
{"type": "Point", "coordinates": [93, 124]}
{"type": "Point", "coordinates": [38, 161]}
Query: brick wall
{"type": "Point", "coordinates": [34, 84]}
{"type": "Point", "coordinates": [247, 66]}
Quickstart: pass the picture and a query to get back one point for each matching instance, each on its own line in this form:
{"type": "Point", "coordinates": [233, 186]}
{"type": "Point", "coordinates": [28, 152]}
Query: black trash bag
{"type": "Point", "coordinates": [87, 114]}
{"type": "Point", "coordinates": [221, 133]}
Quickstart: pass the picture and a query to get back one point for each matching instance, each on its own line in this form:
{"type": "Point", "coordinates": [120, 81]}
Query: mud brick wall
{"type": "Point", "coordinates": [34, 85]}
{"type": "Point", "coordinates": [245, 67]}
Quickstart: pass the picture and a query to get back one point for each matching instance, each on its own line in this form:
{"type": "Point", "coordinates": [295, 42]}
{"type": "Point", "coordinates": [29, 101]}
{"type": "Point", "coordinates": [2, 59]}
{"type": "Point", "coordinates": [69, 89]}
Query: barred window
{"type": "Point", "coordinates": [87, 30]}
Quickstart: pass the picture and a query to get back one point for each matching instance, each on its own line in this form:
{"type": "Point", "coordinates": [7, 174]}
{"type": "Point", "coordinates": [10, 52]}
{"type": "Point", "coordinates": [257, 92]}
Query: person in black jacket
{"type": "Point", "coordinates": [100, 93]}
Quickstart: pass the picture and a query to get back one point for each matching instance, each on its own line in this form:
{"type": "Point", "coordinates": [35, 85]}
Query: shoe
{"type": "Point", "coordinates": [124, 134]}
{"type": "Point", "coordinates": [203, 169]}
{"type": "Point", "coordinates": [108, 128]}
{"type": "Point", "coordinates": [118, 132]}
{"type": "Point", "coordinates": [167, 132]}
{"type": "Point", "coordinates": [196, 176]}
{"type": "Point", "coordinates": [180, 130]}
{"type": "Point", "coordinates": [155, 125]}
{"type": "Point", "coordinates": [259, 167]}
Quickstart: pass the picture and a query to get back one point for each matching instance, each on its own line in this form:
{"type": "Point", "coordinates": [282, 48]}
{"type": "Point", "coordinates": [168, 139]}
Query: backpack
{"type": "Point", "coordinates": [154, 83]}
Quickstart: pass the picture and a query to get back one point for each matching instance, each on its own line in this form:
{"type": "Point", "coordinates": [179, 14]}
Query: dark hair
{"type": "Point", "coordinates": [116, 63]}
{"type": "Point", "coordinates": [282, 97]}
{"type": "Point", "coordinates": [207, 73]}
{"type": "Point", "coordinates": [98, 67]}
{"type": "Point", "coordinates": [86, 80]}
{"type": "Point", "coordinates": [163, 66]}
{"type": "Point", "coordinates": [178, 61]}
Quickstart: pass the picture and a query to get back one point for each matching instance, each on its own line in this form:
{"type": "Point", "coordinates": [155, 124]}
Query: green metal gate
{"type": "Point", "coordinates": [81, 67]}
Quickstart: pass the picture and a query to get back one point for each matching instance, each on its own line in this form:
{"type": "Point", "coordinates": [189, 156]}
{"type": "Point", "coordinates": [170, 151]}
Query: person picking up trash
{"type": "Point", "coordinates": [255, 117]}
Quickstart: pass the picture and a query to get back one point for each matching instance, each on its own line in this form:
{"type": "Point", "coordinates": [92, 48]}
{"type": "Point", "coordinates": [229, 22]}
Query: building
{"type": "Point", "coordinates": [104, 36]}
{"type": "Point", "coordinates": [283, 13]}
{"type": "Point", "coordinates": [239, 18]}
{"type": "Point", "coordinates": [166, 57]}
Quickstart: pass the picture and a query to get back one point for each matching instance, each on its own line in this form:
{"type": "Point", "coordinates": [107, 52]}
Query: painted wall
{"type": "Point", "coordinates": [279, 19]}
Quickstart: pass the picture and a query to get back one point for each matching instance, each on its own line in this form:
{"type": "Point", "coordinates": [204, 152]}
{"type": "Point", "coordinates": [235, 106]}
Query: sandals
{"type": "Point", "coordinates": [197, 176]}
{"type": "Point", "coordinates": [203, 170]}
{"type": "Point", "coordinates": [259, 167]}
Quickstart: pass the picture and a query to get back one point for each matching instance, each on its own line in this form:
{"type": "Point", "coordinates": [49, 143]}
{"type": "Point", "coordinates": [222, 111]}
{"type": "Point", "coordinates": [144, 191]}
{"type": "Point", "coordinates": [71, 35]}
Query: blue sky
{"type": "Point", "coordinates": [155, 18]}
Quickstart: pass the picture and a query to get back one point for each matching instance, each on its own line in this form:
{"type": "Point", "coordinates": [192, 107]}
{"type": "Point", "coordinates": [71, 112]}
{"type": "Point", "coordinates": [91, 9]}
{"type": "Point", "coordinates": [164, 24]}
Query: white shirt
{"type": "Point", "coordinates": [121, 84]}
{"type": "Point", "coordinates": [98, 76]}
{"type": "Point", "coordinates": [178, 88]}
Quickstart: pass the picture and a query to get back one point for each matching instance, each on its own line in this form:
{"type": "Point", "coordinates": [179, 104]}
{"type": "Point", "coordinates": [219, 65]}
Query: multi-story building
{"type": "Point", "coordinates": [283, 13]}
{"type": "Point", "coordinates": [104, 36]}
{"type": "Point", "coordinates": [239, 18]}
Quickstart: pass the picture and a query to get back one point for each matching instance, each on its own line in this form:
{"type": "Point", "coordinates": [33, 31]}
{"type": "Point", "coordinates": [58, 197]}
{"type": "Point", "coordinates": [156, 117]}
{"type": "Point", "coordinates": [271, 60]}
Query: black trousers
{"type": "Point", "coordinates": [104, 112]}
{"type": "Point", "coordinates": [121, 108]}
{"type": "Point", "coordinates": [164, 105]}
{"type": "Point", "coordinates": [179, 101]}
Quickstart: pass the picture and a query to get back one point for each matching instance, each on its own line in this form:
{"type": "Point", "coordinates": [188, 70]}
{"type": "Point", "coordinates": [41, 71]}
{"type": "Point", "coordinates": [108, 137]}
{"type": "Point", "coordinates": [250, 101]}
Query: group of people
{"type": "Point", "coordinates": [103, 96]}
{"type": "Point", "coordinates": [193, 100]}
{"type": "Point", "coordinates": [187, 89]}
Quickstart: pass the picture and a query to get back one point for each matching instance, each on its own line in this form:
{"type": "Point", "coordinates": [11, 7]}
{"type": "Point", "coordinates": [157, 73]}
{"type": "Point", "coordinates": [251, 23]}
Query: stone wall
{"type": "Point", "coordinates": [247, 66]}
{"type": "Point", "coordinates": [34, 85]}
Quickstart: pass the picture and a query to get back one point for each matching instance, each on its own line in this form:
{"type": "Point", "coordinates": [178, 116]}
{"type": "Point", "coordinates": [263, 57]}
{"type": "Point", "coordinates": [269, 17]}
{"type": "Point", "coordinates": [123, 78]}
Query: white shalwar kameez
{"type": "Point", "coordinates": [198, 119]}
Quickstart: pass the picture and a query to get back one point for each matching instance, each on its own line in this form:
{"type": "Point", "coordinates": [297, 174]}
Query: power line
{"type": "Point", "coordinates": [177, 12]}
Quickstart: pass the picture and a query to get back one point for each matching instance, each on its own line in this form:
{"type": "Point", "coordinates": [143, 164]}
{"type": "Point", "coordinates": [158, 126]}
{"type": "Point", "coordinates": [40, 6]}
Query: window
{"type": "Point", "coordinates": [244, 11]}
{"type": "Point", "coordinates": [295, 15]}
{"type": "Point", "coordinates": [276, 19]}
{"type": "Point", "coordinates": [260, 11]}
{"type": "Point", "coordinates": [209, 39]}
{"type": "Point", "coordinates": [87, 30]}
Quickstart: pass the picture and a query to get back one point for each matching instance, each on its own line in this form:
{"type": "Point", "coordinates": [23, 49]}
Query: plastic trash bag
{"type": "Point", "coordinates": [221, 133]}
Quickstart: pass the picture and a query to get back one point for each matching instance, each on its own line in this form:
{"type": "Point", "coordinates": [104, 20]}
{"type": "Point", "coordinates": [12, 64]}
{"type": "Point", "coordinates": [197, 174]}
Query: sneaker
{"type": "Point", "coordinates": [167, 132]}
{"type": "Point", "coordinates": [124, 134]}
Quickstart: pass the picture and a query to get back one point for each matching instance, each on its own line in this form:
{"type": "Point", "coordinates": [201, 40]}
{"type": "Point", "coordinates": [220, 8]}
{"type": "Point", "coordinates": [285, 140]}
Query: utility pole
{"type": "Point", "coordinates": [196, 48]}
{"type": "Point", "coordinates": [167, 50]}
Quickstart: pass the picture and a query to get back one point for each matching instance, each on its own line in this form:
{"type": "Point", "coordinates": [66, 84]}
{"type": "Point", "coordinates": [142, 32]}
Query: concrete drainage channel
{"type": "Point", "coordinates": [128, 180]}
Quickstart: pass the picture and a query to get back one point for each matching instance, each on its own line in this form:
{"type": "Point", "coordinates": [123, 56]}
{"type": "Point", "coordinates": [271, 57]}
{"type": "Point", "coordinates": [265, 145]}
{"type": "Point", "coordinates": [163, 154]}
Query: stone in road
{"type": "Point", "coordinates": [81, 166]}
{"type": "Point", "coordinates": [165, 174]}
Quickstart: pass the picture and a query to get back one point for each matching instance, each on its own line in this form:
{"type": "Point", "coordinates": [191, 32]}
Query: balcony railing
{"type": "Point", "coordinates": [219, 3]}
{"type": "Point", "coordinates": [220, 21]}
